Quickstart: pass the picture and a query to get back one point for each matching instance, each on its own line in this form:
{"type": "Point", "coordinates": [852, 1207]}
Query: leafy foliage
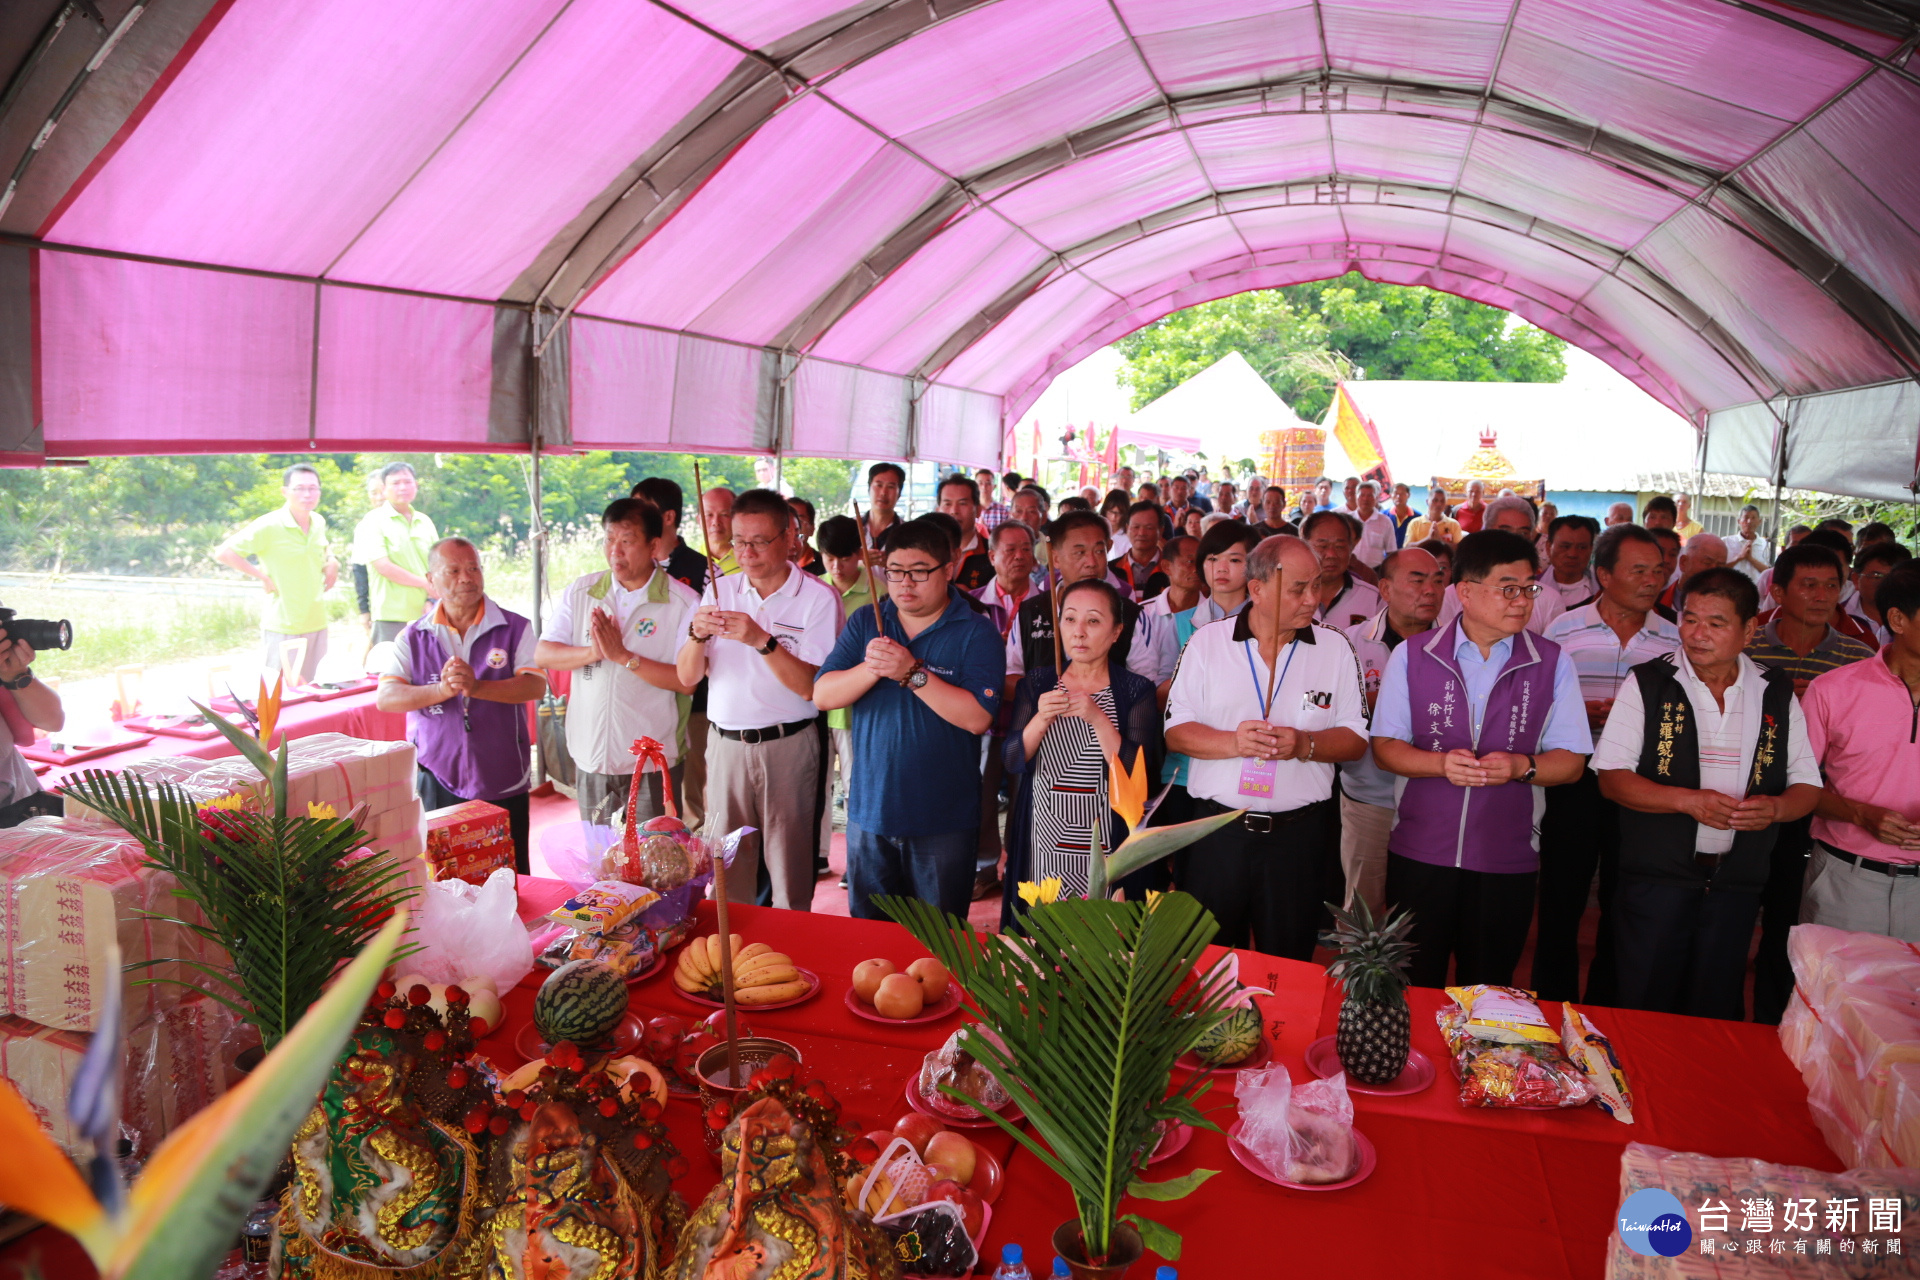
{"type": "Point", "coordinates": [1304, 338]}
{"type": "Point", "coordinates": [1371, 955]}
{"type": "Point", "coordinates": [1094, 1006]}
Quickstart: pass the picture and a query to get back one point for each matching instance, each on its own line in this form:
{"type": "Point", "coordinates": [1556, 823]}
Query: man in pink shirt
{"type": "Point", "coordinates": [1863, 722]}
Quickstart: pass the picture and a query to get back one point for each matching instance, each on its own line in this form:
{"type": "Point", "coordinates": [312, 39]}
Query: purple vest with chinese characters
{"type": "Point", "coordinates": [1473, 828]}
{"type": "Point", "coordinates": [492, 760]}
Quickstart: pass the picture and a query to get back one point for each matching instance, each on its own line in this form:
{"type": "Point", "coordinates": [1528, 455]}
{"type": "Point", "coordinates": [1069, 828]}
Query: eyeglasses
{"type": "Point", "coordinates": [753, 544]}
{"type": "Point", "coordinates": [1510, 592]}
{"type": "Point", "coordinates": [910, 575]}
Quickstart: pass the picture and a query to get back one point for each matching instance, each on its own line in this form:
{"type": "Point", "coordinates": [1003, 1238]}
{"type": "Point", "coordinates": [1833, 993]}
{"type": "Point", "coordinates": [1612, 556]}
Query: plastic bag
{"type": "Point", "coordinates": [1593, 1054]}
{"type": "Point", "coordinates": [469, 929]}
{"type": "Point", "coordinates": [1500, 1059]}
{"type": "Point", "coordinates": [1299, 1133]}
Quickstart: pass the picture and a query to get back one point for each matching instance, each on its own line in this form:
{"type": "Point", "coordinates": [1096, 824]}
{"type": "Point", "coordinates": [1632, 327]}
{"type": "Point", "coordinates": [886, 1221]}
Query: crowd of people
{"type": "Point", "coordinates": [1484, 713]}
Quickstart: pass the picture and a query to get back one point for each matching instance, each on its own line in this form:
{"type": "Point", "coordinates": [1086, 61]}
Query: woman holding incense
{"type": "Point", "coordinates": [1066, 727]}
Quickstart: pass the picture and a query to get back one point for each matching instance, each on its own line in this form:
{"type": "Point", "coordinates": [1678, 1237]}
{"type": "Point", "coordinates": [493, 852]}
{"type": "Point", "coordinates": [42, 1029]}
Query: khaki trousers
{"type": "Point", "coordinates": [770, 786]}
{"type": "Point", "coordinates": [693, 786]}
{"type": "Point", "coordinates": [1363, 851]}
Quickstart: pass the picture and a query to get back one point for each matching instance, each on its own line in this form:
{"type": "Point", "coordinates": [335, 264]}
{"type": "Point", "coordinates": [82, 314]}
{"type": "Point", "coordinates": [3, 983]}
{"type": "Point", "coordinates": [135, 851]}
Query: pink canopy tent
{"type": "Point", "coordinates": [880, 230]}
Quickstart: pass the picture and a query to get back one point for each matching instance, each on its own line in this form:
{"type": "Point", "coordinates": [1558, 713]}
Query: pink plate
{"type": "Point", "coordinates": [1323, 1059]}
{"type": "Point", "coordinates": [1010, 1113]}
{"type": "Point", "coordinates": [939, 1009]}
{"type": "Point", "coordinates": [1258, 1058]}
{"type": "Point", "coordinates": [1172, 1144]}
{"type": "Point", "coordinates": [1253, 1165]}
{"type": "Point", "coordinates": [174, 726]}
{"type": "Point", "coordinates": [625, 1039]}
{"type": "Point", "coordinates": [74, 752]}
{"type": "Point", "coordinates": [813, 989]}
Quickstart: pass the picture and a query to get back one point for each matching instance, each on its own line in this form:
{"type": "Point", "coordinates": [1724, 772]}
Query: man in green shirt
{"type": "Point", "coordinates": [295, 566]}
{"type": "Point", "coordinates": [393, 541]}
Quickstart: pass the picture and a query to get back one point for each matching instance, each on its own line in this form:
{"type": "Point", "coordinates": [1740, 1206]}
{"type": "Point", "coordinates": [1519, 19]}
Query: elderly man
{"type": "Point", "coordinates": [620, 628]}
{"type": "Point", "coordinates": [1619, 513]}
{"type": "Point", "coordinates": [1511, 515]}
{"type": "Point", "coordinates": [1706, 755]}
{"type": "Point", "coordinates": [1699, 553]}
{"type": "Point", "coordinates": [1345, 600]}
{"type": "Point", "coordinates": [1411, 584]}
{"type": "Point", "coordinates": [1569, 555]}
{"type": "Point", "coordinates": [1747, 551]}
{"type": "Point", "coordinates": [1265, 874]}
{"type": "Point", "coordinates": [1436, 523]}
{"type": "Point", "coordinates": [1602, 641]}
{"type": "Point", "coordinates": [1139, 569]}
{"type": "Point", "coordinates": [1378, 536]}
{"type": "Point", "coordinates": [1683, 522]}
{"type": "Point", "coordinates": [464, 674]}
{"type": "Point", "coordinates": [392, 540]}
{"type": "Point", "coordinates": [296, 567]}
{"type": "Point", "coordinates": [716, 530]}
{"type": "Point", "coordinates": [1472, 514]}
{"type": "Point", "coordinates": [25, 705]}
{"type": "Point", "coordinates": [760, 635]}
{"type": "Point", "coordinates": [1478, 717]}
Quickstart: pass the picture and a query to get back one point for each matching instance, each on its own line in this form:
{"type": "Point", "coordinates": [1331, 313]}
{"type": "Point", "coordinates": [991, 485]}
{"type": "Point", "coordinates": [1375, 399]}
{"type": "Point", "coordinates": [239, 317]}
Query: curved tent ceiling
{"type": "Point", "coordinates": [883, 229]}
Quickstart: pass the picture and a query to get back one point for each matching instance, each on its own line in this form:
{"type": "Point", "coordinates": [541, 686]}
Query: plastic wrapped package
{"type": "Point", "coordinates": [181, 771]}
{"type": "Point", "coordinates": [1882, 1024]}
{"type": "Point", "coordinates": [1823, 958]}
{"type": "Point", "coordinates": [1300, 1133]}
{"type": "Point", "coordinates": [1499, 1056]}
{"type": "Point", "coordinates": [1900, 1122]}
{"type": "Point", "coordinates": [1798, 1027]}
{"type": "Point", "coordinates": [604, 906]}
{"type": "Point", "coordinates": [1593, 1054]}
{"type": "Point", "coordinates": [67, 890]}
{"type": "Point", "coordinates": [953, 1064]}
{"type": "Point", "coordinates": [1696, 1180]}
{"type": "Point", "coordinates": [332, 769]}
{"type": "Point", "coordinates": [466, 929]}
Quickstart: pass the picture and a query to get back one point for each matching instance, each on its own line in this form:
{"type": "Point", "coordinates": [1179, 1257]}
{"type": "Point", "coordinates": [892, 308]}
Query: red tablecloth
{"type": "Point", "coordinates": [353, 715]}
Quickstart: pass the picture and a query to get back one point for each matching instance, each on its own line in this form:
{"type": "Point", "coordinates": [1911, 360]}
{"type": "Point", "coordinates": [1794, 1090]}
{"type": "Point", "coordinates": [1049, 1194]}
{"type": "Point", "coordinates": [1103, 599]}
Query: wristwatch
{"type": "Point", "coordinates": [916, 678]}
{"type": "Point", "coordinates": [1532, 769]}
{"type": "Point", "coordinates": [773, 642]}
{"type": "Point", "coordinates": [632, 663]}
{"type": "Point", "coordinates": [21, 681]}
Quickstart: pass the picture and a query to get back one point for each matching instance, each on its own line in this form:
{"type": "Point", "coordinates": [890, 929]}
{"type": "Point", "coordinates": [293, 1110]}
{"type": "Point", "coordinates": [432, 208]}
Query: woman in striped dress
{"type": "Point", "coordinates": [1064, 730]}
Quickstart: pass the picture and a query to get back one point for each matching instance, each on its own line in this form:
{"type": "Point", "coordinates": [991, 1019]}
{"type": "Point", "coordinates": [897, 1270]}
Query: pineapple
{"type": "Point", "coordinates": [1375, 1032]}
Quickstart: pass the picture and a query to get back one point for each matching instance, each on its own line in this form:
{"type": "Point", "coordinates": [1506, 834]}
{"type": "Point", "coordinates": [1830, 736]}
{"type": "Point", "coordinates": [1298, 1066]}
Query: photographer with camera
{"type": "Point", "coordinates": [26, 705]}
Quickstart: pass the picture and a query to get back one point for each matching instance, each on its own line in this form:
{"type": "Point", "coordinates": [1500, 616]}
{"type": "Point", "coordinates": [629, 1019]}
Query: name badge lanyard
{"type": "Point", "coordinates": [1266, 702]}
{"type": "Point", "coordinates": [1257, 776]}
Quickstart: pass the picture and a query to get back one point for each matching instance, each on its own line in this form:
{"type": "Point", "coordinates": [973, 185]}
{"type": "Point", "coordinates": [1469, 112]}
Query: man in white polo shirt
{"type": "Point", "coordinates": [761, 634]}
{"type": "Point", "coordinates": [1265, 874]}
{"type": "Point", "coordinates": [620, 629]}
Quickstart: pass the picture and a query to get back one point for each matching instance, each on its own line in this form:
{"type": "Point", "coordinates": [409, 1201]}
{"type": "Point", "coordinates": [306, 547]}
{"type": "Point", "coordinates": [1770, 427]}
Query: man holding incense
{"type": "Point", "coordinates": [1265, 704]}
{"type": "Point", "coordinates": [922, 677]}
{"type": "Point", "coordinates": [1077, 549]}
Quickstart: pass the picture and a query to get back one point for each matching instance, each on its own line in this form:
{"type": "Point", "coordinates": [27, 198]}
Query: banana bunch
{"type": "Point", "coordinates": [761, 975]}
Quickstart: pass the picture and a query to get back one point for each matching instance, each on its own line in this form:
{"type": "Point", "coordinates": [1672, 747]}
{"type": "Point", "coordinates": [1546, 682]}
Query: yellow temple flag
{"type": "Point", "coordinates": [1354, 435]}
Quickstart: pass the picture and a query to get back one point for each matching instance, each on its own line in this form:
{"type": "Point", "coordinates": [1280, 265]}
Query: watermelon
{"type": "Point", "coordinates": [1233, 1040]}
{"type": "Point", "coordinates": [582, 1001]}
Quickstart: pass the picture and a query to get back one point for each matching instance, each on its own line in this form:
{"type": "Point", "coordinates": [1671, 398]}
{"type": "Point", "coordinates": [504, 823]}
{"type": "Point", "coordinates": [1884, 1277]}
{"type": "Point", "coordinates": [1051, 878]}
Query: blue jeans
{"type": "Point", "coordinates": [936, 869]}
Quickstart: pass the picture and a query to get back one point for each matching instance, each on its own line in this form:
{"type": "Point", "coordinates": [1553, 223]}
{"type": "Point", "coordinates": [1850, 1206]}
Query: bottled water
{"type": "Point", "coordinates": [1013, 1264]}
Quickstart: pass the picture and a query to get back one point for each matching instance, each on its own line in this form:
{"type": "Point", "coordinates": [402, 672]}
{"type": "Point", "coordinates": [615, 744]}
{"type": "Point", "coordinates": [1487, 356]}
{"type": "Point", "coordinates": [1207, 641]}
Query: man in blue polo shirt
{"type": "Point", "coordinates": [921, 693]}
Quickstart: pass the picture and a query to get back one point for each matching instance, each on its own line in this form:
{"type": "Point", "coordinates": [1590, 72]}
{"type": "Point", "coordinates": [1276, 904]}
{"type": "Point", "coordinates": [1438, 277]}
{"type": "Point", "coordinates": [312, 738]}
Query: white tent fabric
{"type": "Point", "coordinates": [1224, 409]}
{"type": "Point", "coordinates": [821, 227]}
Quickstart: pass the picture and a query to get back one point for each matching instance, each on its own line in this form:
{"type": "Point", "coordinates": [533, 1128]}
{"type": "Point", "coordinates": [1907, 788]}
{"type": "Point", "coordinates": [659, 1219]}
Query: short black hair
{"type": "Point", "coordinates": [1876, 531]}
{"type": "Point", "coordinates": [1321, 517]}
{"type": "Point", "coordinates": [1479, 554]}
{"type": "Point", "coordinates": [1558, 523]}
{"type": "Point", "coordinates": [879, 469]}
{"type": "Point", "coordinates": [1799, 528]}
{"type": "Point", "coordinates": [1880, 553]}
{"type": "Point", "coordinates": [1660, 502]}
{"type": "Point", "coordinates": [764, 502]}
{"type": "Point", "coordinates": [1104, 589]}
{"type": "Point", "coordinates": [927, 534]}
{"type": "Point", "coordinates": [838, 536]}
{"type": "Point", "coordinates": [1436, 547]}
{"type": "Point", "coordinates": [1058, 529]}
{"type": "Point", "coordinates": [1731, 585]}
{"type": "Point", "coordinates": [1074, 502]}
{"type": "Point", "coordinates": [286, 477]}
{"type": "Point", "coordinates": [1900, 591]}
{"type": "Point", "coordinates": [663, 493]}
{"type": "Point", "coordinates": [1838, 525]}
{"type": "Point", "coordinates": [959, 478]}
{"type": "Point", "coordinates": [1807, 554]}
{"type": "Point", "coordinates": [1832, 540]}
{"type": "Point", "coordinates": [1225, 536]}
{"type": "Point", "coordinates": [947, 525]}
{"type": "Point", "coordinates": [1661, 535]}
{"type": "Point", "coordinates": [1179, 545]}
{"type": "Point", "coordinates": [393, 469]}
{"type": "Point", "coordinates": [1142, 508]}
{"type": "Point", "coordinates": [1606, 547]}
{"type": "Point", "coordinates": [637, 511]}
{"type": "Point", "coordinates": [806, 506]}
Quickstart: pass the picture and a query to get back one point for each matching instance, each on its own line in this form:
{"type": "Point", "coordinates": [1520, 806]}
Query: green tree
{"type": "Point", "coordinates": [1304, 338]}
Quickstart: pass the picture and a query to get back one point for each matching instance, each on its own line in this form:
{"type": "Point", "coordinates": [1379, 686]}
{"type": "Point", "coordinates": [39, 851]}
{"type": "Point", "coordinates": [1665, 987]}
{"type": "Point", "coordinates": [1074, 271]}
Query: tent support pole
{"type": "Point", "coordinates": [537, 527]}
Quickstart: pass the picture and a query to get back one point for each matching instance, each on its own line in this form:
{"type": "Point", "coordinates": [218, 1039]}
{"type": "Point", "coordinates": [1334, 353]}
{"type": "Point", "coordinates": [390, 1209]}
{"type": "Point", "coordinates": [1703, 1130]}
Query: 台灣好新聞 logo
{"type": "Point", "coordinates": [1654, 1223]}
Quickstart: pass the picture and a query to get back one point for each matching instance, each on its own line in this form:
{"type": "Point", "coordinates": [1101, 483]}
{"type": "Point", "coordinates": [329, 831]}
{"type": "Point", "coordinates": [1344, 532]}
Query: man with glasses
{"type": "Point", "coordinates": [760, 635]}
{"type": "Point", "coordinates": [296, 566]}
{"type": "Point", "coordinates": [1345, 601]}
{"type": "Point", "coordinates": [1579, 834]}
{"type": "Point", "coordinates": [921, 691]}
{"type": "Point", "coordinates": [1479, 716]}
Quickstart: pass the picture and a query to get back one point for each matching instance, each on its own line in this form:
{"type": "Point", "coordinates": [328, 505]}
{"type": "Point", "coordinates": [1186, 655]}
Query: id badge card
{"type": "Point", "coordinates": [1256, 778]}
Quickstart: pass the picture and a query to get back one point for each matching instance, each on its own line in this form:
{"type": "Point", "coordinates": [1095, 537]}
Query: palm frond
{"type": "Point", "coordinates": [1093, 1007]}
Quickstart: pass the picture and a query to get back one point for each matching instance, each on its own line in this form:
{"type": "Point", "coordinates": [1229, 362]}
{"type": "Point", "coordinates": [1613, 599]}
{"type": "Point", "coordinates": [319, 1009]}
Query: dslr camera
{"type": "Point", "coordinates": [39, 633]}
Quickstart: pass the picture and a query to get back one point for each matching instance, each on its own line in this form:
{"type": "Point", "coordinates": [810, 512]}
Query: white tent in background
{"type": "Point", "coordinates": [1225, 407]}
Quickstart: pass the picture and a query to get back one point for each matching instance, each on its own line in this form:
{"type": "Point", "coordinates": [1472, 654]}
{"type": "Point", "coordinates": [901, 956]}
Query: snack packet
{"type": "Point", "coordinates": [1500, 1058]}
{"type": "Point", "coordinates": [1505, 1015]}
{"type": "Point", "coordinates": [604, 906]}
{"type": "Point", "coordinates": [1593, 1054]}
{"type": "Point", "coordinates": [1300, 1133]}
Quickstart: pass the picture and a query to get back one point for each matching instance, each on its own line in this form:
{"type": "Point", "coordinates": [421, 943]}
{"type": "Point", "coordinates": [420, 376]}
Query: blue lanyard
{"type": "Point", "coordinates": [1267, 707]}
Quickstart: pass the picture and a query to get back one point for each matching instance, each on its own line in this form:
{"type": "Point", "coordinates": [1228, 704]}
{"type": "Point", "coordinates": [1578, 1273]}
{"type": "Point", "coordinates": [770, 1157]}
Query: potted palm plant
{"type": "Point", "coordinates": [281, 894]}
{"type": "Point", "coordinates": [1092, 1005]}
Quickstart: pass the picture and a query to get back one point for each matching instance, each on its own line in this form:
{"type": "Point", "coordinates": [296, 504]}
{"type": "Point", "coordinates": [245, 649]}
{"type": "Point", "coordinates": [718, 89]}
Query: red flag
{"type": "Point", "coordinates": [1111, 458]}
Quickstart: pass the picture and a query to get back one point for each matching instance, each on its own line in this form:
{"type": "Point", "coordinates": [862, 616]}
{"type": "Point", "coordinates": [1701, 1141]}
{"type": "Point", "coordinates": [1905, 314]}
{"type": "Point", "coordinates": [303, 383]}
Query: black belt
{"type": "Point", "coordinates": [1261, 824]}
{"type": "Point", "coordinates": [1873, 864]}
{"type": "Point", "coordinates": [771, 734]}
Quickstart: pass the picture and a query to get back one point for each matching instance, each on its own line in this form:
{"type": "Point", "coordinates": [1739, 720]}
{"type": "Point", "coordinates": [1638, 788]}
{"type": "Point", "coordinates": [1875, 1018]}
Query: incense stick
{"type": "Point", "coordinates": [866, 558]}
{"type": "Point", "coordinates": [1279, 581]}
{"type": "Point", "coordinates": [706, 530]}
{"type": "Point", "coordinates": [726, 973]}
{"type": "Point", "coordinates": [1054, 592]}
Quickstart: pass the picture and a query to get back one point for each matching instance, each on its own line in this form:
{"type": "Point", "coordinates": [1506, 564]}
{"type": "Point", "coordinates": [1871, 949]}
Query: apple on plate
{"type": "Point", "coordinates": [918, 1130]}
{"type": "Point", "coordinates": [899, 996]}
{"type": "Point", "coordinates": [955, 1153]}
{"type": "Point", "coordinates": [932, 977]}
{"type": "Point", "coordinates": [867, 976]}
{"type": "Point", "coordinates": [972, 1207]}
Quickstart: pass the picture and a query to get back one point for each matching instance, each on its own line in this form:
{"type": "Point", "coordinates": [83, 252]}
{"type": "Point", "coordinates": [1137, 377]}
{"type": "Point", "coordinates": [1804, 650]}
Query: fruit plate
{"type": "Point", "coordinates": [1323, 1059]}
{"type": "Point", "coordinates": [624, 1040]}
{"type": "Point", "coordinates": [988, 1175]}
{"type": "Point", "coordinates": [1010, 1113]}
{"type": "Point", "coordinates": [939, 1009]}
{"type": "Point", "coordinates": [1252, 1164]}
{"type": "Point", "coordinates": [1252, 1062]}
{"type": "Point", "coordinates": [813, 989]}
{"type": "Point", "coordinates": [979, 1242]}
{"type": "Point", "coordinates": [1172, 1144]}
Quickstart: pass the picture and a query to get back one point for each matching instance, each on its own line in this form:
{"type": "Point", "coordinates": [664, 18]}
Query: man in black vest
{"type": "Point", "coordinates": [1706, 754]}
{"type": "Point", "coordinates": [1077, 549]}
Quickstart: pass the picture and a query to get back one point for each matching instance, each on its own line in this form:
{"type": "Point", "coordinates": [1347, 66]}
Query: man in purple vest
{"type": "Point", "coordinates": [462, 674]}
{"type": "Point", "coordinates": [1478, 716]}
